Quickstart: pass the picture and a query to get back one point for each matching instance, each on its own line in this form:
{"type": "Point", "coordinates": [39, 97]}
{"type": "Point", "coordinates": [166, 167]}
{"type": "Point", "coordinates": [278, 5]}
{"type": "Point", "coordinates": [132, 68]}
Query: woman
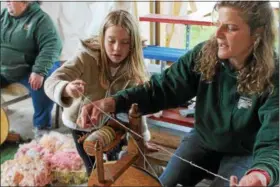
{"type": "Point", "coordinates": [234, 76]}
{"type": "Point", "coordinates": [106, 64]}
{"type": "Point", "coordinates": [30, 45]}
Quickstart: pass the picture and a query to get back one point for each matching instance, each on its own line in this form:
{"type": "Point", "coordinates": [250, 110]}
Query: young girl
{"type": "Point", "coordinates": [106, 64]}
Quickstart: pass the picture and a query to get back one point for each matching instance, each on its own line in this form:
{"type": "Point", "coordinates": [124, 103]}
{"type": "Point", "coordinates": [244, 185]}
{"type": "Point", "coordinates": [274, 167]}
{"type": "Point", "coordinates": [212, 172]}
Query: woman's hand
{"type": "Point", "coordinates": [36, 81]}
{"type": "Point", "coordinates": [92, 112]}
{"type": "Point", "coordinates": [74, 89]}
{"type": "Point", "coordinates": [252, 179]}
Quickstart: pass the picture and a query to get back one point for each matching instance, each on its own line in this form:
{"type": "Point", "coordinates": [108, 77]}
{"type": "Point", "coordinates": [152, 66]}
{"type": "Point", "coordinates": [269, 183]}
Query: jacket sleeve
{"type": "Point", "coordinates": [49, 45]}
{"type": "Point", "coordinates": [266, 148]}
{"type": "Point", "coordinates": [55, 84]}
{"type": "Point", "coordinates": [2, 11]}
{"type": "Point", "coordinates": [175, 86]}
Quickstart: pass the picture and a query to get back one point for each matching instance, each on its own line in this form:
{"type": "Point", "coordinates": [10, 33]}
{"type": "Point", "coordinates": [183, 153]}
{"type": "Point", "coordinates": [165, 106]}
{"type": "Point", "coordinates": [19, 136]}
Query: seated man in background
{"type": "Point", "coordinates": [30, 44]}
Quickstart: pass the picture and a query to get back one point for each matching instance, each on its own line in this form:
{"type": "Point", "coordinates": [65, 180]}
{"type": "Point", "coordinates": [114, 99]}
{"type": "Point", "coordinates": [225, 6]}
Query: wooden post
{"type": "Point", "coordinates": [169, 28]}
{"type": "Point", "coordinates": [152, 27]}
{"type": "Point", "coordinates": [135, 8]}
{"type": "Point", "coordinates": [135, 122]}
{"type": "Point", "coordinates": [157, 27]}
{"type": "Point", "coordinates": [157, 9]}
{"type": "Point", "coordinates": [193, 6]}
{"type": "Point", "coordinates": [99, 162]}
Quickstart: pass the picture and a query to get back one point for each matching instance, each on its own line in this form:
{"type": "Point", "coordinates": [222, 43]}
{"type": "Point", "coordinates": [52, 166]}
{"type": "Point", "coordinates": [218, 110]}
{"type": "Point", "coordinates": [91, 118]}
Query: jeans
{"type": "Point", "coordinates": [42, 105]}
{"type": "Point", "coordinates": [192, 149]}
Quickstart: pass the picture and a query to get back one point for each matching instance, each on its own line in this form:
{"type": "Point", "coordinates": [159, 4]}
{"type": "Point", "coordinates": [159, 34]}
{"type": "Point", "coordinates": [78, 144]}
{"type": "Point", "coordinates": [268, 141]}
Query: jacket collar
{"type": "Point", "coordinates": [228, 68]}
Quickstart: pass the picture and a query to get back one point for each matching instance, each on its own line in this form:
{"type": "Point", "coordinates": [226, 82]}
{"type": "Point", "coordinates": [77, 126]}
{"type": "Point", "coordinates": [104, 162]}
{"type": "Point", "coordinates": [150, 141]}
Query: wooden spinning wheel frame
{"type": "Point", "coordinates": [5, 127]}
{"type": "Point", "coordinates": [129, 169]}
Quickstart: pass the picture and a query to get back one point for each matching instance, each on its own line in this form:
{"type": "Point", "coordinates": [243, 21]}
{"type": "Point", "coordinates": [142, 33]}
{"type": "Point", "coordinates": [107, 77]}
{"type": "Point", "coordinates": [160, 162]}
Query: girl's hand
{"type": "Point", "coordinates": [74, 89]}
{"type": "Point", "coordinates": [91, 113]}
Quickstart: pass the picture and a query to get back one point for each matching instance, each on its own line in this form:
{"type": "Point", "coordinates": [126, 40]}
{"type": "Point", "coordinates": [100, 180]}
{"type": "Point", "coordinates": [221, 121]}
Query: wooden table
{"type": "Point", "coordinates": [167, 138]}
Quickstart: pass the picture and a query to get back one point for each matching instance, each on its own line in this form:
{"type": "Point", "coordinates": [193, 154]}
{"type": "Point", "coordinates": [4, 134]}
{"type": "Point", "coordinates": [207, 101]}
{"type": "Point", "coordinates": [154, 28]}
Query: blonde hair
{"type": "Point", "coordinates": [255, 77]}
{"type": "Point", "coordinates": [134, 62]}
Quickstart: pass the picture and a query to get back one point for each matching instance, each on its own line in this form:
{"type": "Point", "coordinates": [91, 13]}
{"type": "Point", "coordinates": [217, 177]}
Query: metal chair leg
{"type": "Point", "coordinates": [57, 110]}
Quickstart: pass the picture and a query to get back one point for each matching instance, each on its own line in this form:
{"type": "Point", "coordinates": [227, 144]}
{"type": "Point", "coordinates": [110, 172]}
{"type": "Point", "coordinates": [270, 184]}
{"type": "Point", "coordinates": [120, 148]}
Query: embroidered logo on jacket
{"type": "Point", "coordinates": [244, 102]}
{"type": "Point", "coordinates": [26, 26]}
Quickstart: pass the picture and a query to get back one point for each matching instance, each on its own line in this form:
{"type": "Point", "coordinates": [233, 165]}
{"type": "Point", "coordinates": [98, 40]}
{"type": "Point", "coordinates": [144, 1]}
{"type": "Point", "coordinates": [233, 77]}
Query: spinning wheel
{"type": "Point", "coordinates": [4, 126]}
{"type": "Point", "coordinates": [128, 170]}
{"type": "Point", "coordinates": [5, 135]}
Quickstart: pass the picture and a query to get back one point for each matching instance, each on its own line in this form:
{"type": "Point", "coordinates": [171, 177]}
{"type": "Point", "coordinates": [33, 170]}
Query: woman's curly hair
{"type": "Point", "coordinates": [255, 77]}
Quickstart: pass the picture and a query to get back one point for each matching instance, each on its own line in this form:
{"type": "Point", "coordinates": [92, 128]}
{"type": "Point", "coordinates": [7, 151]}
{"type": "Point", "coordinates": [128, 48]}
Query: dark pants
{"type": "Point", "coordinates": [192, 149]}
{"type": "Point", "coordinates": [89, 160]}
{"type": "Point", "coordinates": [42, 105]}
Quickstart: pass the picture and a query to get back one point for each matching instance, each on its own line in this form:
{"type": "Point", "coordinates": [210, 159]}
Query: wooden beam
{"type": "Point", "coordinates": [13, 101]}
{"type": "Point", "coordinates": [157, 9]}
{"type": "Point", "coordinates": [193, 6]}
{"type": "Point", "coordinates": [169, 29]}
{"type": "Point", "coordinates": [152, 26]}
{"type": "Point", "coordinates": [165, 139]}
{"type": "Point", "coordinates": [185, 20]}
{"type": "Point", "coordinates": [161, 157]}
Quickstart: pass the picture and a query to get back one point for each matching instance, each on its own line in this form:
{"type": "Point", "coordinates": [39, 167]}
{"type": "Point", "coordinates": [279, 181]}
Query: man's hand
{"type": "Point", "coordinates": [35, 81]}
{"type": "Point", "coordinates": [253, 179]}
{"type": "Point", "coordinates": [92, 112]}
{"type": "Point", "coordinates": [74, 89]}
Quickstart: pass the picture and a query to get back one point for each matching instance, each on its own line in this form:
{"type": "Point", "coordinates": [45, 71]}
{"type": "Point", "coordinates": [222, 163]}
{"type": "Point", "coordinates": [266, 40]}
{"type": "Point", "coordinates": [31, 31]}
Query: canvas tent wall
{"type": "Point", "coordinates": [78, 20]}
